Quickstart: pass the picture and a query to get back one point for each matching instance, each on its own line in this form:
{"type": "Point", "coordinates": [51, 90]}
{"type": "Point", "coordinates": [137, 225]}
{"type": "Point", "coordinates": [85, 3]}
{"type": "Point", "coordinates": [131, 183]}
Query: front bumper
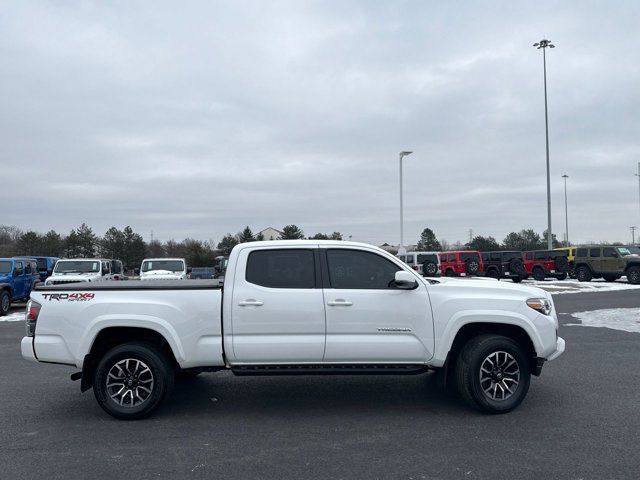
{"type": "Point", "coordinates": [560, 345]}
{"type": "Point", "coordinates": [26, 348]}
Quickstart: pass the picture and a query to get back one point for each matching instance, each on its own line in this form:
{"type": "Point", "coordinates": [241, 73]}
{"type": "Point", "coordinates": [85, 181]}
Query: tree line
{"type": "Point", "coordinates": [129, 246]}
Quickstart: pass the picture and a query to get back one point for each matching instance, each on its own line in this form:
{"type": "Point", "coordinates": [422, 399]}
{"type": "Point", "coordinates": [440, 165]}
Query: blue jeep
{"type": "Point", "coordinates": [18, 276]}
{"type": "Point", "coordinates": [45, 266]}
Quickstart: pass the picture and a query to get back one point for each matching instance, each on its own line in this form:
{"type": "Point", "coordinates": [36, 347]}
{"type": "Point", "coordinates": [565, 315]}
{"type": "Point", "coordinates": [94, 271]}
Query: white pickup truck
{"type": "Point", "coordinates": [295, 307]}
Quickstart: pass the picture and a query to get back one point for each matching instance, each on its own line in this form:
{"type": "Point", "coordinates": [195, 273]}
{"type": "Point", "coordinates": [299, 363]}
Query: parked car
{"type": "Point", "coordinates": [504, 265]}
{"type": "Point", "coordinates": [295, 307]}
{"type": "Point", "coordinates": [461, 263]}
{"type": "Point", "coordinates": [426, 264]}
{"type": "Point", "coordinates": [45, 266]}
{"type": "Point", "coordinates": [608, 262]}
{"type": "Point", "coordinates": [202, 273]}
{"type": "Point", "coordinates": [221, 266]}
{"type": "Point", "coordinates": [542, 264]}
{"type": "Point", "coordinates": [18, 277]}
{"type": "Point", "coordinates": [164, 269]}
{"type": "Point", "coordinates": [81, 270]}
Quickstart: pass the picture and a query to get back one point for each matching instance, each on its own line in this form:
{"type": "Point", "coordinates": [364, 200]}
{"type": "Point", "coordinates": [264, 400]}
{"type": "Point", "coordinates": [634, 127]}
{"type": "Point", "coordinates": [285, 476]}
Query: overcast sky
{"type": "Point", "coordinates": [193, 119]}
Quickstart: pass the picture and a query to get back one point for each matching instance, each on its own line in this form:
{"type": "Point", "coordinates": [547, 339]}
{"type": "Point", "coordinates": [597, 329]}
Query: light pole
{"type": "Point", "coordinates": [543, 44]}
{"type": "Point", "coordinates": [566, 212]}
{"type": "Point", "coordinates": [633, 235]}
{"type": "Point", "coordinates": [638, 175]}
{"type": "Point", "coordinates": [401, 249]}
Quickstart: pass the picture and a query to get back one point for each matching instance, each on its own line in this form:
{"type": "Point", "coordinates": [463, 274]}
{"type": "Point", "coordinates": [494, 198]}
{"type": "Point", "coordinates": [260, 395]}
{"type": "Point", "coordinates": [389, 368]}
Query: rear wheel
{"type": "Point", "coordinates": [633, 275]}
{"type": "Point", "coordinates": [562, 276]}
{"type": "Point", "coordinates": [493, 273]}
{"type": "Point", "coordinates": [132, 380]}
{"type": "Point", "coordinates": [538, 274]}
{"type": "Point", "coordinates": [492, 373]}
{"type": "Point", "coordinates": [5, 302]}
{"type": "Point", "coordinates": [583, 274]}
{"type": "Point", "coordinates": [449, 273]}
{"type": "Point", "coordinates": [516, 279]}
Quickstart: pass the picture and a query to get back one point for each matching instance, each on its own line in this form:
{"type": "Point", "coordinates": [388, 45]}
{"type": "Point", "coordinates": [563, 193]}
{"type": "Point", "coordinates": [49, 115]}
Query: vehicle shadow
{"type": "Point", "coordinates": [276, 395]}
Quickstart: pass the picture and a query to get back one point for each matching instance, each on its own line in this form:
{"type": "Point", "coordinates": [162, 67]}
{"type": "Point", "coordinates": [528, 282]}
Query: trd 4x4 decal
{"type": "Point", "coordinates": [70, 297]}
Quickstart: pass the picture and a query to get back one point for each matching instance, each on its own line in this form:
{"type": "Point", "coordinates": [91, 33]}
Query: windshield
{"type": "Point", "coordinates": [170, 265]}
{"type": "Point", "coordinates": [624, 251]}
{"type": "Point", "coordinates": [5, 266]}
{"type": "Point", "coordinates": [633, 250]}
{"type": "Point", "coordinates": [77, 266]}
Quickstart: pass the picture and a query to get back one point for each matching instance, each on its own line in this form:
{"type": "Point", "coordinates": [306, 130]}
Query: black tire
{"type": "Point", "coordinates": [517, 266]}
{"type": "Point", "coordinates": [162, 377]}
{"type": "Point", "coordinates": [561, 276]}
{"type": "Point", "coordinates": [538, 274]}
{"type": "Point", "coordinates": [561, 263]}
{"type": "Point", "coordinates": [429, 269]}
{"type": "Point", "coordinates": [5, 302]}
{"type": "Point", "coordinates": [633, 275]}
{"type": "Point", "coordinates": [583, 274]}
{"type": "Point", "coordinates": [468, 373]}
{"type": "Point", "coordinates": [472, 266]}
{"type": "Point", "coordinates": [493, 273]}
{"type": "Point", "coordinates": [610, 277]}
{"type": "Point", "coordinates": [450, 273]}
{"type": "Point", "coordinates": [516, 279]}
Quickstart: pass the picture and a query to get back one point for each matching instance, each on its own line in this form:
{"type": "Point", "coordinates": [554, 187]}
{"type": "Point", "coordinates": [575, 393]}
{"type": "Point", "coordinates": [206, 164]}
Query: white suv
{"type": "Point", "coordinates": [76, 270]}
{"type": "Point", "coordinates": [163, 269]}
{"type": "Point", "coordinates": [426, 264]}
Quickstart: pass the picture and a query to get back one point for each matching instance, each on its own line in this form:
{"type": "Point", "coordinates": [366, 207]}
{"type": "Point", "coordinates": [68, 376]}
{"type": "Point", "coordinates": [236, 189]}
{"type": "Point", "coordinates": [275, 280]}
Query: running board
{"type": "Point", "coordinates": [342, 369]}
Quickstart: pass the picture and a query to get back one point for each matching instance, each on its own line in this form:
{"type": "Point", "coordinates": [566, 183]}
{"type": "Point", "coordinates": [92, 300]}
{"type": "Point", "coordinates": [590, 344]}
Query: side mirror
{"type": "Point", "coordinates": [136, 271]}
{"type": "Point", "coordinates": [405, 280]}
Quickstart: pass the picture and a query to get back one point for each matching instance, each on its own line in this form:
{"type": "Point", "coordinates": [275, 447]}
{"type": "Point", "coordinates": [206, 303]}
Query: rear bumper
{"type": "Point", "coordinates": [26, 348]}
{"type": "Point", "coordinates": [560, 345]}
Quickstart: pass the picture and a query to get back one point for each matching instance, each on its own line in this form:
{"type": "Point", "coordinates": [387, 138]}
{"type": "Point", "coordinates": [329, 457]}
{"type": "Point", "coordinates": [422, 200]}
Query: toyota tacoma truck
{"type": "Point", "coordinates": [295, 307]}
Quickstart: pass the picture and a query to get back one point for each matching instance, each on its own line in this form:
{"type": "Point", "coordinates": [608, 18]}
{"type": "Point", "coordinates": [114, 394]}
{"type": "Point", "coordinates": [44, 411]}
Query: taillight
{"type": "Point", "coordinates": [33, 310]}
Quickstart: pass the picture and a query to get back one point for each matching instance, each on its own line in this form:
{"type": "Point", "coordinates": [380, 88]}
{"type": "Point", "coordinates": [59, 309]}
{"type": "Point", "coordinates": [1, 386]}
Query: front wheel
{"type": "Point", "coordinates": [633, 275]}
{"type": "Point", "coordinates": [492, 373]}
{"type": "Point", "coordinates": [5, 302]}
{"type": "Point", "coordinates": [562, 276]}
{"type": "Point", "coordinates": [538, 274]}
{"type": "Point", "coordinates": [132, 380]}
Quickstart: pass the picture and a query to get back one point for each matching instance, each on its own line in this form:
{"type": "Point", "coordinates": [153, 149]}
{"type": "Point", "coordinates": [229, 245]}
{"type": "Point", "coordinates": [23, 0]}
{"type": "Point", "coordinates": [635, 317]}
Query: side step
{"type": "Point", "coordinates": [320, 369]}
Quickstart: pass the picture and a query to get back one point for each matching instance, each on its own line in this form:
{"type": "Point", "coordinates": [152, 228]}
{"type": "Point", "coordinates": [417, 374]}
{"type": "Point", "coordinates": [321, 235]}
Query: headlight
{"type": "Point", "coordinates": [542, 305]}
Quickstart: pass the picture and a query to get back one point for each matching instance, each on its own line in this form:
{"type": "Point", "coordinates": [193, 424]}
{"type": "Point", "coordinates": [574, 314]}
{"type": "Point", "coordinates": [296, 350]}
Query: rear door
{"type": "Point", "coordinates": [18, 279]}
{"type": "Point", "coordinates": [277, 310]}
{"type": "Point", "coordinates": [595, 259]}
{"type": "Point", "coordinates": [369, 320]}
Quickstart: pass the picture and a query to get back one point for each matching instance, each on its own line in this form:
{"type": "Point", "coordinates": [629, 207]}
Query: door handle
{"type": "Point", "coordinates": [250, 302]}
{"type": "Point", "coordinates": [339, 302]}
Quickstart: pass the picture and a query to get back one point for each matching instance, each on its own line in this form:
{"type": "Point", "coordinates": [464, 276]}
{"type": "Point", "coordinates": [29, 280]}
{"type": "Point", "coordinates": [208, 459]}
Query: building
{"type": "Point", "coordinates": [271, 233]}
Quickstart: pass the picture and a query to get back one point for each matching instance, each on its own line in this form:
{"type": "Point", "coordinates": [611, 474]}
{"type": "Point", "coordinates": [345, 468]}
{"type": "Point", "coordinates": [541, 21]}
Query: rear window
{"type": "Point", "coordinates": [451, 257]}
{"type": "Point", "coordinates": [581, 252]}
{"type": "Point", "coordinates": [594, 252]}
{"type": "Point", "coordinates": [5, 266]}
{"type": "Point", "coordinates": [42, 264]}
{"type": "Point", "coordinates": [541, 255]}
{"type": "Point", "coordinates": [469, 255]}
{"type": "Point", "coordinates": [291, 268]}
{"type": "Point", "coordinates": [427, 258]}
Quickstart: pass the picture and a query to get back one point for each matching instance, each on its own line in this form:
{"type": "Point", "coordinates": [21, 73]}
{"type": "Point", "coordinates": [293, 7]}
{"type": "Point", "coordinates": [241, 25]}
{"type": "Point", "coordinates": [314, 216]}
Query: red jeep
{"type": "Point", "coordinates": [541, 264]}
{"type": "Point", "coordinates": [461, 263]}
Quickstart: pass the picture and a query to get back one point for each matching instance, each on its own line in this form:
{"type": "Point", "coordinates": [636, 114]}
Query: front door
{"type": "Point", "coordinates": [369, 320]}
{"type": "Point", "coordinates": [277, 308]}
{"type": "Point", "coordinates": [18, 279]}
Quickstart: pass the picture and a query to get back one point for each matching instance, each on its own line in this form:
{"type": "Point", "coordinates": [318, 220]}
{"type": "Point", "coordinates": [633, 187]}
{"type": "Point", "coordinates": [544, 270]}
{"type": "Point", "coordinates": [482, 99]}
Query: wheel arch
{"type": "Point", "coordinates": [112, 336]}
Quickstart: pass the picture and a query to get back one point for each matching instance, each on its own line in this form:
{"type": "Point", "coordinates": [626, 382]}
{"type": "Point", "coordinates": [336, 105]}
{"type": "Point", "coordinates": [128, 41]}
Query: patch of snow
{"type": "Point", "coordinates": [625, 319]}
{"type": "Point", "coordinates": [559, 287]}
{"type": "Point", "coordinates": [13, 317]}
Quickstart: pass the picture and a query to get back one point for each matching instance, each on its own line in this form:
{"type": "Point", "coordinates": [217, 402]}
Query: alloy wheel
{"type": "Point", "coordinates": [130, 382]}
{"type": "Point", "coordinates": [499, 375]}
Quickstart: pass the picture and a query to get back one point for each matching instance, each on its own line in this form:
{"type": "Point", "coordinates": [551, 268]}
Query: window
{"type": "Point", "coordinates": [528, 256]}
{"type": "Point", "coordinates": [451, 257]}
{"type": "Point", "coordinates": [27, 267]}
{"type": "Point", "coordinates": [18, 269]}
{"type": "Point", "coordinates": [581, 252]}
{"type": "Point", "coordinates": [573, 252]}
{"type": "Point", "coordinates": [427, 258]}
{"type": "Point", "coordinates": [291, 268]}
{"type": "Point", "coordinates": [356, 269]}
{"type": "Point", "coordinates": [542, 255]}
{"type": "Point", "coordinates": [594, 252]}
{"type": "Point", "coordinates": [469, 256]}
{"type": "Point", "coordinates": [609, 252]}
{"type": "Point", "coordinates": [496, 257]}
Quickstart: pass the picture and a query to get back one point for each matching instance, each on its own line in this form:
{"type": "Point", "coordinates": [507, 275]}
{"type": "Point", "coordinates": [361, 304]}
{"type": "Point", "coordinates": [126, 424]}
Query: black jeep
{"type": "Point", "coordinates": [504, 265]}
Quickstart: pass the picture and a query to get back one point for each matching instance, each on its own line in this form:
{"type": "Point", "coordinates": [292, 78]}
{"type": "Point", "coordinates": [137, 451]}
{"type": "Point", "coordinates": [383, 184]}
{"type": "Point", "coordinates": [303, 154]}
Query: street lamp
{"type": "Point", "coordinates": [401, 249]}
{"type": "Point", "coordinates": [543, 44]}
{"type": "Point", "coordinates": [638, 175]}
{"type": "Point", "coordinates": [566, 212]}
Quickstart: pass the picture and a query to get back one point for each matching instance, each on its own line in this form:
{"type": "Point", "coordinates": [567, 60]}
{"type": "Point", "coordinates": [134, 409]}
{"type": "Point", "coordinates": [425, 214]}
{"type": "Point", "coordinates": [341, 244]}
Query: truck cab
{"type": "Point", "coordinates": [18, 276]}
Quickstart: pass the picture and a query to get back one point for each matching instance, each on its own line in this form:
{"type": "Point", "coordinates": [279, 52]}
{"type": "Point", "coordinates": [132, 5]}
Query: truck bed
{"type": "Point", "coordinates": [134, 285]}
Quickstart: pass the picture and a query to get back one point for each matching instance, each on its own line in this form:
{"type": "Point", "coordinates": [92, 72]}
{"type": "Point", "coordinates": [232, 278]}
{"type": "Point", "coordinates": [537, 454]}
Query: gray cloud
{"type": "Point", "coordinates": [197, 119]}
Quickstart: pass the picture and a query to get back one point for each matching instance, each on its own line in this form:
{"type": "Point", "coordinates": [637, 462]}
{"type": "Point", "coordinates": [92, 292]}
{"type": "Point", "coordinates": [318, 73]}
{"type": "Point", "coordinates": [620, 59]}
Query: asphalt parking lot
{"type": "Point", "coordinates": [580, 420]}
